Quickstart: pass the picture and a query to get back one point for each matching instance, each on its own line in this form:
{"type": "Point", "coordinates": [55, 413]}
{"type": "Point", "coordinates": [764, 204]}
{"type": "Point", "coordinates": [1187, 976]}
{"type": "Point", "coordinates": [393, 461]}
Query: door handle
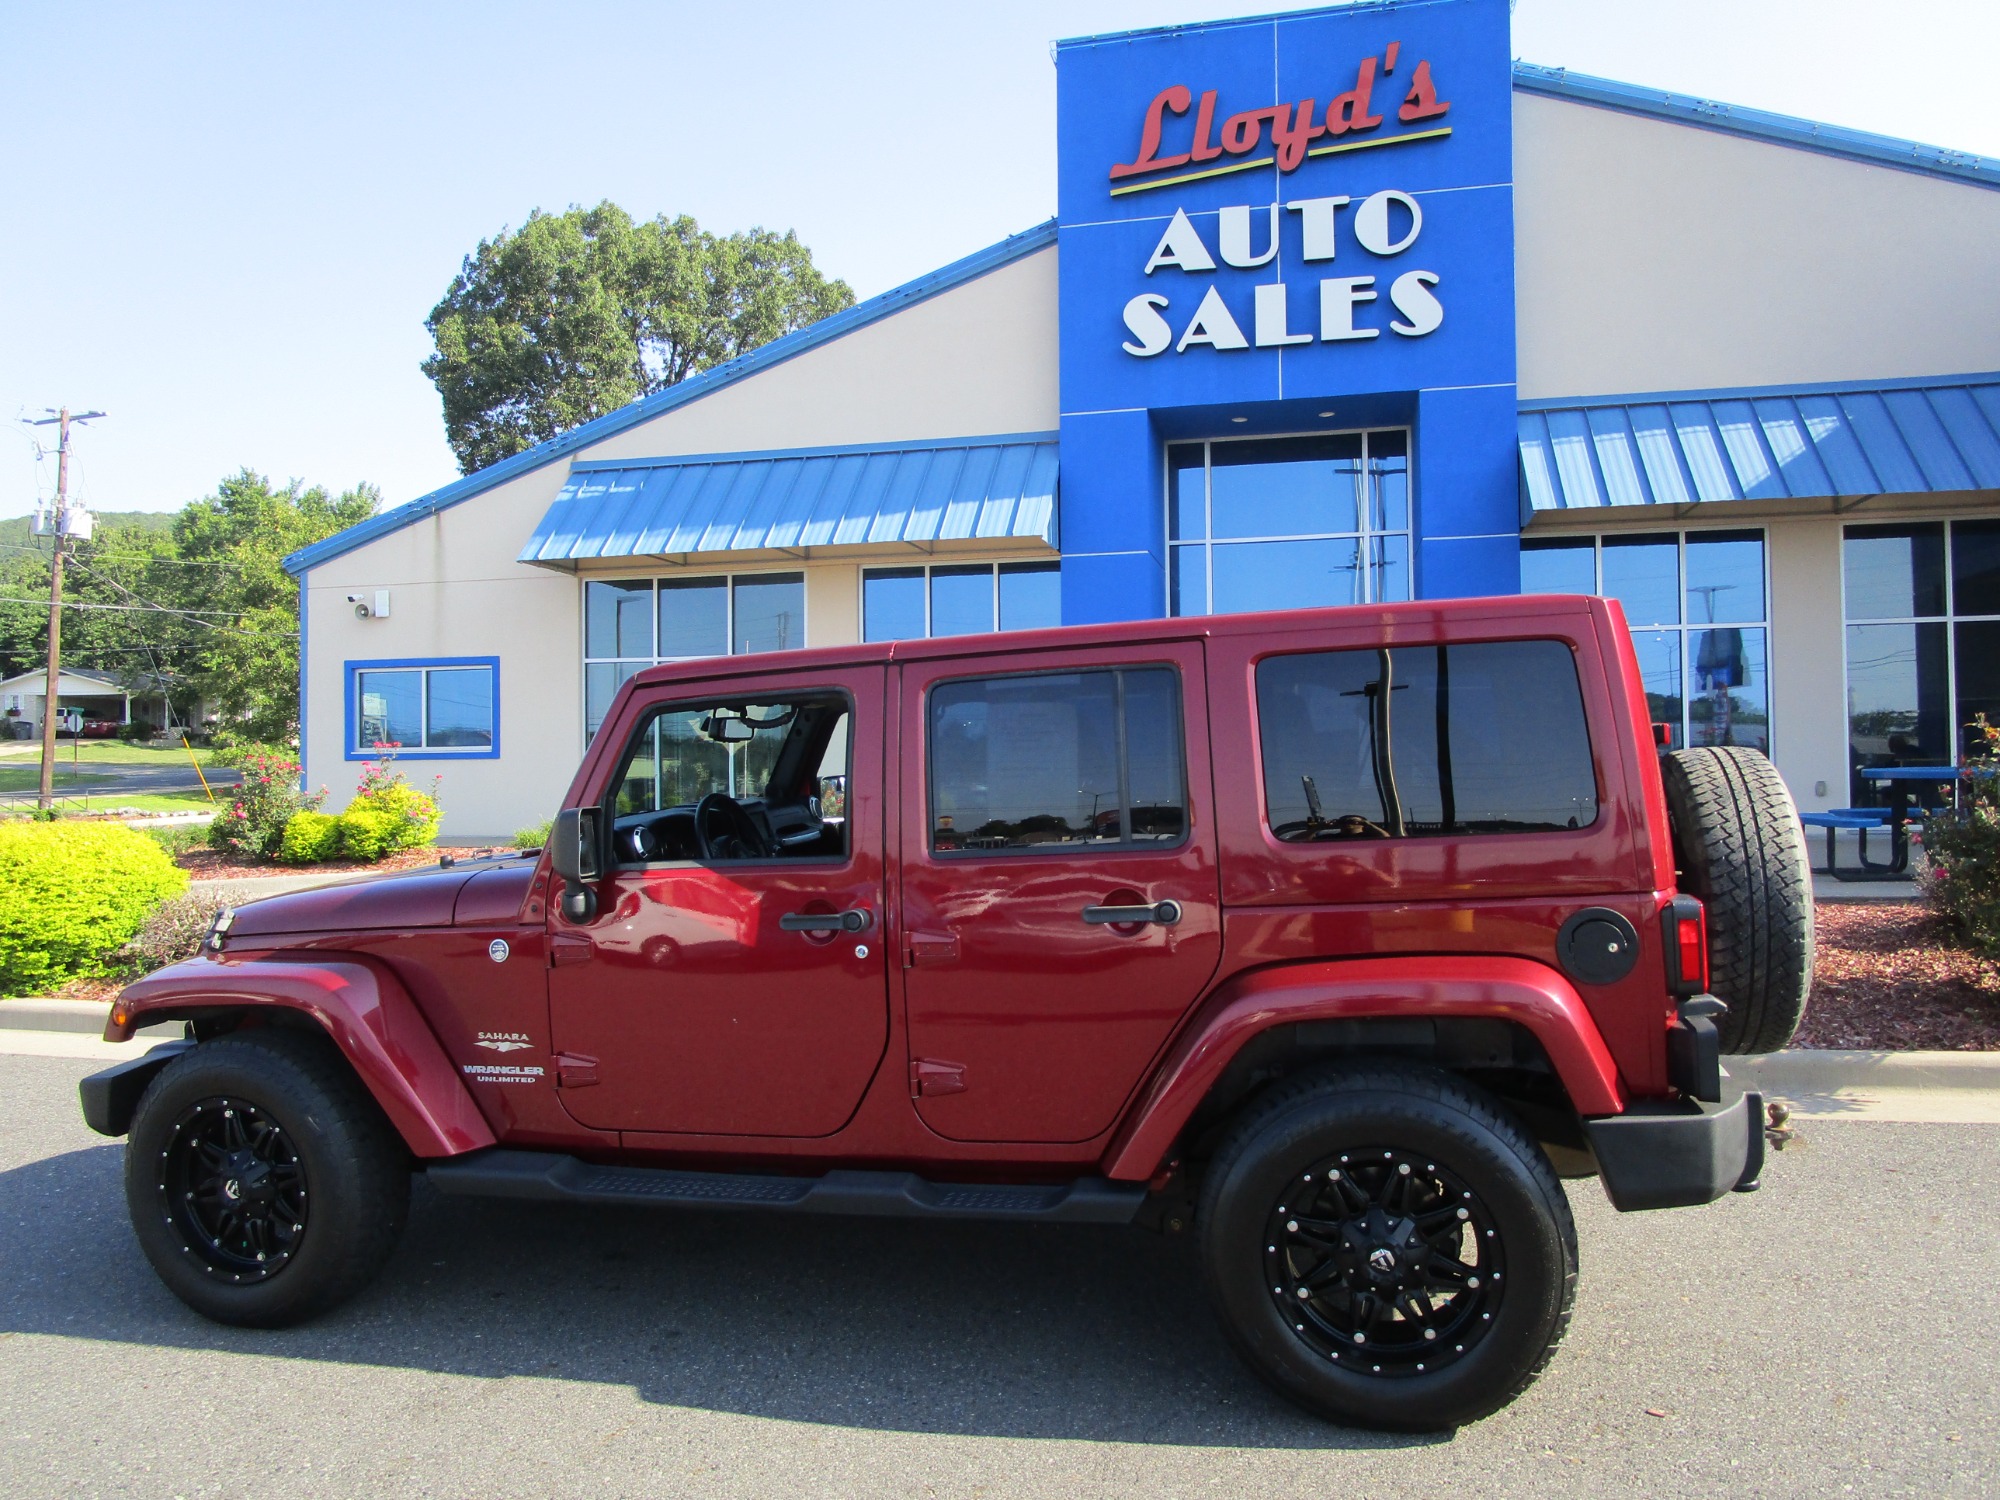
{"type": "Point", "coordinates": [1165, 913]}
{"type": "Point", "coordinates": [857, 920]}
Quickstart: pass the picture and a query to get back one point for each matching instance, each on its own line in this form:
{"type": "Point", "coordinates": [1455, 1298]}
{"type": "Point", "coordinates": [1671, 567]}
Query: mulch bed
{"type": "Point", "coordinates": [213, 864]}
{"type": "Point", "coordinates": [1889, 977]}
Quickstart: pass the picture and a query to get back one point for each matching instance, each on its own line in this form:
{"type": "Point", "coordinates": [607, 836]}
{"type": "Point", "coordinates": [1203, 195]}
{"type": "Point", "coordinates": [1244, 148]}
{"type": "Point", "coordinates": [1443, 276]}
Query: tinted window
{"type": "Point", "coordinates": [1894, 572]}
{"type": "Point", "coordinates": [892, 604]}
{"type": "Point", "coordinates": [1425, 740]}
{"type": "Point", "coordinates": [770, 613]}
{"type": "Point", "coordinates": [1643, 573]}
{"type": "Point", "coordinates": [1060, 760]}
{"type": "Point", "coordinates": [1030, 596]}
{"type": "Point", "coordinates": [1565, 567]}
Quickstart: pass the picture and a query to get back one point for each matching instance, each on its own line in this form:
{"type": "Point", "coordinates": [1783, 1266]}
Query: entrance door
{"type": "Point", "coordinates": [733, 980]}
{"type": "Point", "coordinates": [1059, 887]}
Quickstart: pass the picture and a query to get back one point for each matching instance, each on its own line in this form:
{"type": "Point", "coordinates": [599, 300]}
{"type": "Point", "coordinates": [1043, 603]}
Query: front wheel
{"type": "Point", "coordinates": [263, 1182]}
{"type": "Point", "coordinates": [1388, 1248]}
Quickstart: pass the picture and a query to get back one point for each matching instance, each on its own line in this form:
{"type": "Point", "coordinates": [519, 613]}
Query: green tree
{"type": "Point", "coordinates": [203, 609]}
{"type": "Point", "coordinates": [575, 314]}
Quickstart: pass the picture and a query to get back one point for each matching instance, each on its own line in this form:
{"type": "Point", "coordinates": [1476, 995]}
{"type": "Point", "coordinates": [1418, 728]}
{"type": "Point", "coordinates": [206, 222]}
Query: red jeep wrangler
{"type": "Point", "coordinates": [1336, 937]}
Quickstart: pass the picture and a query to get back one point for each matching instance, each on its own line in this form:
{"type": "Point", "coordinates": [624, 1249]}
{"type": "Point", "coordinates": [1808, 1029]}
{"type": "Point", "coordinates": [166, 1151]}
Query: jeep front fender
{"type": "Point", "coordinates": [361, 1006]}
{"type": "Point", "coordinates": [1505, 989]}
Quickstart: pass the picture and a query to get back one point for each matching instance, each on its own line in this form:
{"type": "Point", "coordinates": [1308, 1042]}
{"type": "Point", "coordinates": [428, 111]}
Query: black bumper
{"type": "Point", "coordinates": [1676, 1154]}
{"type": "Point", "coordinates": [110, 1097]}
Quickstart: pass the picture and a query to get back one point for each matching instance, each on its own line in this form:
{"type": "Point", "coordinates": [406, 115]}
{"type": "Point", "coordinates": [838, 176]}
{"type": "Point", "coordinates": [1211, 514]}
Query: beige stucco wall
{"type": "Point", "coordinates": [1652, 256]}
{"type": "Point", "coordinates": [976, 360]}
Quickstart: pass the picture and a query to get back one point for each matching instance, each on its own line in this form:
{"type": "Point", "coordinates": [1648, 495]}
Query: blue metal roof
{"type": "Point", "coordinates": [1758, 124]}
{"type": "Point", "coordinates": [895, 300]}
{"type": "Point", "coordinates": [920, 494]}
{"type": "Point", "coordinates": [1680, 448]}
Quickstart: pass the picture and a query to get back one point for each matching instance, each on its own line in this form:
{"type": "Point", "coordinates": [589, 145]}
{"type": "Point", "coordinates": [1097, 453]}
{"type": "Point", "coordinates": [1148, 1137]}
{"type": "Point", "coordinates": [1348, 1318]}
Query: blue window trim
{"type": "Point", "coordinates": [349, 672]}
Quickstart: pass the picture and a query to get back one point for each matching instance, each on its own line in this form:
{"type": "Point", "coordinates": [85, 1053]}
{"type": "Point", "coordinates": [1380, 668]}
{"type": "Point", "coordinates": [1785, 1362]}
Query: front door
{"type": "Point", "coordinates": [1059, 885]}
{"type": "Point", "coordinates": [733, 980]}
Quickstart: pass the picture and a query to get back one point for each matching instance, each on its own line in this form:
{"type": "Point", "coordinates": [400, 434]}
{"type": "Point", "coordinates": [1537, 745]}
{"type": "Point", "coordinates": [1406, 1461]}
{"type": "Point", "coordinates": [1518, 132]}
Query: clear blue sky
{"type": "Point", "coordinates": [227, 223]}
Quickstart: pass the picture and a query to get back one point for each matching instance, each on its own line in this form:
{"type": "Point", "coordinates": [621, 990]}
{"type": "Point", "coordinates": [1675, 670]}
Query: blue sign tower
{"type": "Point", "coordinates": [1293, 226]}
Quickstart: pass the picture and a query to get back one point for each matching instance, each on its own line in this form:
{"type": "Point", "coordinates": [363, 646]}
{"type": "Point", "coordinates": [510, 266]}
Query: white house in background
{"type": "Point", "coordinates": [96, 698]}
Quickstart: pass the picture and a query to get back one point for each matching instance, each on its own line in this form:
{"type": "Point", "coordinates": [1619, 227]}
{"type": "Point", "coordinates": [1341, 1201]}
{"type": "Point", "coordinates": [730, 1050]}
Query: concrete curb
{"type": "Point", "coordinates": [1815, 1071]}
{"type": "Point", "coordinates": [76, 1016]}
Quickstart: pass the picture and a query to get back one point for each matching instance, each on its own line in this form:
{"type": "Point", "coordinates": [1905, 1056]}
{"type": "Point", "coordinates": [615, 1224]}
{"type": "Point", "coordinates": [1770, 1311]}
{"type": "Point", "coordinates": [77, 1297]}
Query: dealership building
{"type": "Point", "coordinates": [1338, 307]}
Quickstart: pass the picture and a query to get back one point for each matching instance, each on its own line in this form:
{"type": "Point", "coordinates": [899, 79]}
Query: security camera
{"type": "Point", "coordinates": [361, 609]}
{"type": "Point", "coordinates": [366, 609]}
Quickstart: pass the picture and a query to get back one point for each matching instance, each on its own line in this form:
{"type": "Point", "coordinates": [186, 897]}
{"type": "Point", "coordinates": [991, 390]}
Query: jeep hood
{"type": "Point", "coordinates": [418, 898]}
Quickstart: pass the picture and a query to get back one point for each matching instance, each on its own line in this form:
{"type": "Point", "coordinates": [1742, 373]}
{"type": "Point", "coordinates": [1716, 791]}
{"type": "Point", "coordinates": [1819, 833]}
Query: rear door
{"type": "Point", "coordinates": [1044, 809]}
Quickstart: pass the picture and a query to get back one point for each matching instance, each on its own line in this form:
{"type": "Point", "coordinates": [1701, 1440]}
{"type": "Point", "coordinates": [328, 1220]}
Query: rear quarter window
{"type": "Point", "coordinates": [1424, 742]}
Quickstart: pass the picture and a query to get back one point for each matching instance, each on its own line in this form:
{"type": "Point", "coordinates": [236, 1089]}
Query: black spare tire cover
{"type": "Point", "coordinates": [1741, 850]}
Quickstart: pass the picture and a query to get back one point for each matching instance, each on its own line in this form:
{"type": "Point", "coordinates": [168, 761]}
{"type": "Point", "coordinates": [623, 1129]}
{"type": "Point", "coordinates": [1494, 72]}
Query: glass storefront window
{"type": "Point", "coordinates": [1696, 602]}
{"type": "Point", "coordinates": [905, 604]}
{"type": "Point", "coordinates": [1923, 644]}
{"type": "Point", "coordinates": [1288, 523]}
{"type": "Point", "coordinates": [632, 624]}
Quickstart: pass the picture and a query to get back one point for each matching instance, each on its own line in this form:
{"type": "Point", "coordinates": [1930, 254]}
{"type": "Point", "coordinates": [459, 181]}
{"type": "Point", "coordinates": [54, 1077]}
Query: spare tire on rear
{"type": "Point", "coordinates": [1741, 850]}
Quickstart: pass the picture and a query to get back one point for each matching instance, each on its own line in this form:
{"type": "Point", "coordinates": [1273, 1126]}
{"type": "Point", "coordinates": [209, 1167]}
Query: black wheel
{"type": "Point", "coordinates": [1387, 1247]}
{"type": "Point", "coordinates": [1742, 850]}
{"type": "Point", "coordinates": [264, 1184]}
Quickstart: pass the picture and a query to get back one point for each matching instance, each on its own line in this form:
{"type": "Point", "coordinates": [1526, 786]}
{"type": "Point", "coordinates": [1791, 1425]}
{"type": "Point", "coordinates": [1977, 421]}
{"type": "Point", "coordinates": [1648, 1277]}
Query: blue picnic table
{"type": "Point", "coordinates": [1896, 816]}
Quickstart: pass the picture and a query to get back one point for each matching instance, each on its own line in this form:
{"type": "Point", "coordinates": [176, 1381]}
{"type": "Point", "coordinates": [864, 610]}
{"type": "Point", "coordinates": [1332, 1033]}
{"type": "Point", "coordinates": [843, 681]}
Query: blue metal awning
{"type": "Point", "coordinates": [917, 494]}
{"type": "Point", "coordinates": [1909, 437]}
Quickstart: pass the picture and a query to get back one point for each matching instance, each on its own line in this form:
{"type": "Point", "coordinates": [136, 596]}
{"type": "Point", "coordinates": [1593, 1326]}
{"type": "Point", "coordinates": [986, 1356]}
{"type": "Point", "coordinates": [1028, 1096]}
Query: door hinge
{"type": "Point", "coordinates": [929, 1078]}
{"type": "Point", "coordinates": [930, 948]}
{"type": "Point", "coordinates": [574, 1072]}
{"type": "Point", "coordinates": [567, 948]}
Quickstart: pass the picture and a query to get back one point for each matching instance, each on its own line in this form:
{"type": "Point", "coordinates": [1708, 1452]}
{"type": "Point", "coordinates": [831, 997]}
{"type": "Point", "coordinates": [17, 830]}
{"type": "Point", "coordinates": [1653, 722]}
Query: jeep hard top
{"type": "Point", "coordinates": [1333, 938]}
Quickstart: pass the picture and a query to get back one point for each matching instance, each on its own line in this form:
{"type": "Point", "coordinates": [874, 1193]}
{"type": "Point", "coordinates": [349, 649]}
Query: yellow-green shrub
{"type": "Point", "coordinates": [70, 895]}
{"type": "Point", "coordinates": [413, 815]}
{"type": "Point", "coordinates": [309, 838]}
{"type": "Point", "coordinates": [368, 832]}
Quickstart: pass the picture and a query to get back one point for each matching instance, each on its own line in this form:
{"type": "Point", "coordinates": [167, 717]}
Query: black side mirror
{"type": "Point", "coordinates": [574, 855]}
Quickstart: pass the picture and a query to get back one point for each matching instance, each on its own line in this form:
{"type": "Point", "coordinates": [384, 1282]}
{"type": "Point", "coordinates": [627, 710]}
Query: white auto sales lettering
{"type": "Point", "coordinates": [500, 1073]}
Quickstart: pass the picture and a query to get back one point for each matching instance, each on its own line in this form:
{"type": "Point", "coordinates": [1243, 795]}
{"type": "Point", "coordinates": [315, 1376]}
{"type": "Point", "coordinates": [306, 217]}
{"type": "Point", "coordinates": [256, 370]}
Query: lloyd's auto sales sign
{"type": "Point", "coordinates": [1314, 203]}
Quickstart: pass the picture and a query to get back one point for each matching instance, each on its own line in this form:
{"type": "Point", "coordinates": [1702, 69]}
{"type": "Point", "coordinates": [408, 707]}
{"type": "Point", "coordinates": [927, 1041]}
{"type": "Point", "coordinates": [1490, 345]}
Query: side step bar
{"type": "Point", "coordinates": [550, 1177]}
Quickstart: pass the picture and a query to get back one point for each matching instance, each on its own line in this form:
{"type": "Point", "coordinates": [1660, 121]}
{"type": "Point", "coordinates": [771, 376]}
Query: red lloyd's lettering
{"type": "Point", "coordinates": [1174, 98]}
{"type": "Point", "coordinates": [1292, 126]}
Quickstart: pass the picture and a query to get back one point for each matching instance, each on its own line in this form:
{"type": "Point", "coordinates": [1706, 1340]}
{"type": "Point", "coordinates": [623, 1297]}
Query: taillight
{"type": "Point", "coordinates": [1686, 937]}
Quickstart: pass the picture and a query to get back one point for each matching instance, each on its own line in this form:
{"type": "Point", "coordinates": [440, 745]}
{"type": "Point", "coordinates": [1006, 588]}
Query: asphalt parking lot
{"type": "Point", "coordinates": [1838, 1333]}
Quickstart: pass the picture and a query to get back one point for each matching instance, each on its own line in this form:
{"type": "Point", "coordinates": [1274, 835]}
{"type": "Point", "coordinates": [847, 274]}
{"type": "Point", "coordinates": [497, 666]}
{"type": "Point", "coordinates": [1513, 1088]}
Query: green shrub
{"type": "Point", "coordinates": [136, 732]}
{"type": "Point", "coordinates": [177, 838]}
{"type": "Point", "coordinates": [309, 838]}
{"type": "Point", "coordinates": [535, 837]}
{"type": "Point", "coordinates": [70, 895]}
{"type": "Point", "coordinates": [173, 932]}
{"type": "Point", "coordinates": [253, 821]}
{"type": "Point", "coordinates": [413, 815]}
{"type": "Point", "coordinates": [368, 833]}
{"type": "Point", "coordinates": [1961, 871]}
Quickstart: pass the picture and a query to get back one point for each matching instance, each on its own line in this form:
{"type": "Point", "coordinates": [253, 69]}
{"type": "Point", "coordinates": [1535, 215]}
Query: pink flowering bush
{"type": "Point", "coordinates": [387, 813]}
{"type": "Point", "coordinates": [253, 821]}
{"type": "Point", "coordinates": [1962, 847]}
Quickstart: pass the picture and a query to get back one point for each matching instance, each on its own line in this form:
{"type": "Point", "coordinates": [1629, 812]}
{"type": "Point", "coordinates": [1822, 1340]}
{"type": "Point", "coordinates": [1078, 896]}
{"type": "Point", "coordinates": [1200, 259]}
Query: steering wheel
{"type": "Point", "coordinates": [736, 834]}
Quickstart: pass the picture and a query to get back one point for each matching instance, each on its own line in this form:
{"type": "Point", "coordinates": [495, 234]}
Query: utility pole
{"type": "Point", "coordinates": [63, 528]}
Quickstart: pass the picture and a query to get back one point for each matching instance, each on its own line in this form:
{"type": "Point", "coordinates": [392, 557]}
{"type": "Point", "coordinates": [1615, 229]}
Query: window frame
{"type": "Point", "coordinates": [1362, 537]}
{"type": "Point", "coordinates": [351, 706]}
{"type": "Point", "coordinates": [649, 713]}
{"type": "Point", "coordinates": [1685, 628]}
{"type": "Point", "coordinates": [1260, 745]}
{"type": "Point", "coordinates": [1951, 619]}
{"type": "Point", "coordinates": [1125, 844]}
{"type": "Point", "coordinates": [994, 568]}
{"type": "Point", "coordinates": [729, 578]}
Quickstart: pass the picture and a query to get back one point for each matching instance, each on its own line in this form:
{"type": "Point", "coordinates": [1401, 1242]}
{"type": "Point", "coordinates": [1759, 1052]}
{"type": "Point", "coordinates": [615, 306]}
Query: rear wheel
{"type": "Point", "coordinates": [1742, 851]}
{"type": "Point", "coordinates": [1388, 1248]}
{"type": "Point", "coordinates": [264, 1185]}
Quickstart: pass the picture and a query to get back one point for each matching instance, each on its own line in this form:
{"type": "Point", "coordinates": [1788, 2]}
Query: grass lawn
{"type": "Point", "coordinates": [98, 752]}
{"type": "Point", "coordinates": [73, 801]}
{"type": "Point", "coordinates": [29, 779]}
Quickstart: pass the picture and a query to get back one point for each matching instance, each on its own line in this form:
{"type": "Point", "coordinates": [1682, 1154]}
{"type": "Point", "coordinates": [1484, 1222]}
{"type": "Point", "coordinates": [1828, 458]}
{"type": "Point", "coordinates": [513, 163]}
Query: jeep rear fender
{"type": "Point", "coordinates": [1505, 989]}
{"type": "Point", "coordinates": [361, 1006]}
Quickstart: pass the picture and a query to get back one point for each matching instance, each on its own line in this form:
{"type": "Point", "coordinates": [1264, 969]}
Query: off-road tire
{"type": "Point", "coordinates": [1742, 851]}
{"type": "Point", "coordinates": [1445, 1123]}
{"type": "Point", "coordinates": [355, 1174]}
